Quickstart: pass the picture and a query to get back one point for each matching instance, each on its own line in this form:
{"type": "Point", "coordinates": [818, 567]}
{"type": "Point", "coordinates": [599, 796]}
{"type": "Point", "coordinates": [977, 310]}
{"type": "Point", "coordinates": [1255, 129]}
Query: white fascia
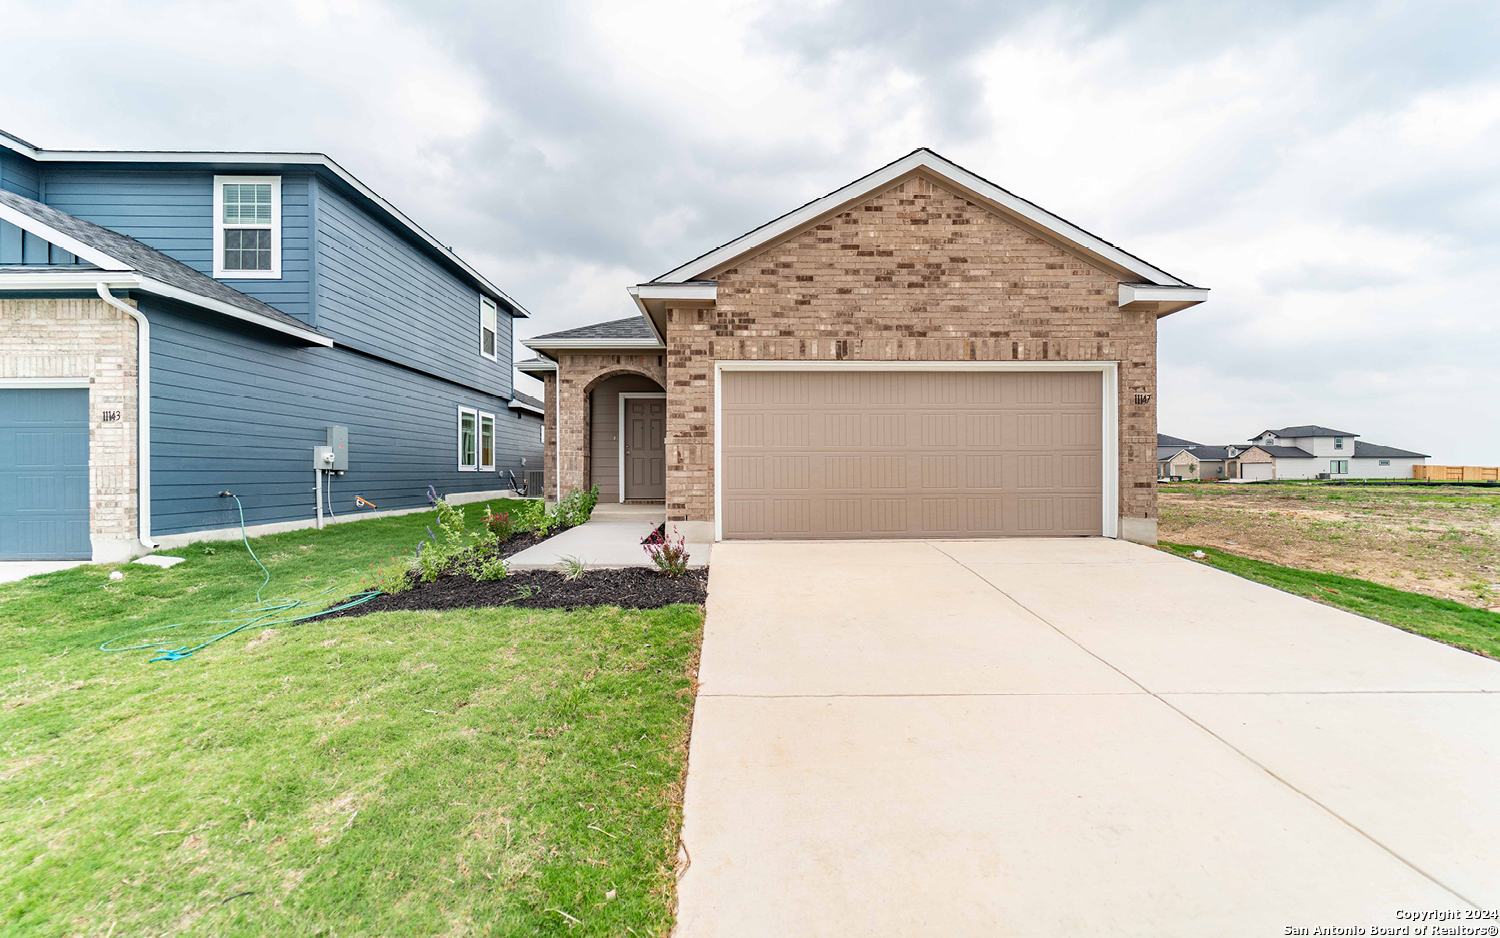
{"type": "Point", "coordinates": [128, 280]}
{"type": "Point", "coordinates": [260, 159]}
{"type": "Point", "coordinates": [883, 177]}
{"type": "Point", "coordinates": [642, 343]}
{"type": "Point", "coordinates": [66, 242]}
{"type": "Point", "coordinates": [543, 366]}
{"type": "Point", "coordinates": [697, 290]}
{"type": "Point", "coordinates": [1174, 298]}
{"type": "Point", "coordinates": [522, 405]}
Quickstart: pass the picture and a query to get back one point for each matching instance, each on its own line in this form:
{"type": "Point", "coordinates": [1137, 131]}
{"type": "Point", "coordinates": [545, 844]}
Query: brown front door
{"type": "Point", "coordinates": [645, 449]}
{"type": "Point", "coordinates": [911, 454]}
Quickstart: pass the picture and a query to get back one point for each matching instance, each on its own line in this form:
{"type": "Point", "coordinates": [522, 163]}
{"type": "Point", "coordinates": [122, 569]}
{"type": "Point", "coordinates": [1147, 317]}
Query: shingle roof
{"type": "Point", "coordinates": [1305, 431]}
{"type": "Point", "coordinates": [144, 259]}
{"type": "Point", "coordinates": [1284, 452]}
{"type": "Point", "coordinates": [634, 327]}
{"type": "Point", "coordinates": [1364, 450]}
{"type": "Point", "coordinates": [527, 399]}
{"type": "Point", "coordinates": [1163, 440]}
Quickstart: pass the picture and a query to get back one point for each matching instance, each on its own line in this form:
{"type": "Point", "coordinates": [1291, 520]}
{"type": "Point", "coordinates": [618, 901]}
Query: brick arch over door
{"type": "Point", "coordinates": [577, 377]}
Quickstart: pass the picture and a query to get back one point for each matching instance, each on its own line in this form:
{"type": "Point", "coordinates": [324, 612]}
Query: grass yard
{"type": "Point", "coordinates": [475, 772]}
{"type": "Point", "coordinates": [1476, 630]}
{"type": "Point", "coordinates": [1441, 541]}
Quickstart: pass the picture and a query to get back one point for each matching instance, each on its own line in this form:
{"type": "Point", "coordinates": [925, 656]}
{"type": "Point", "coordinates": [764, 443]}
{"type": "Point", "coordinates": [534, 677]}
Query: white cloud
{"type": "Point", "coordinates": [1328, 168]}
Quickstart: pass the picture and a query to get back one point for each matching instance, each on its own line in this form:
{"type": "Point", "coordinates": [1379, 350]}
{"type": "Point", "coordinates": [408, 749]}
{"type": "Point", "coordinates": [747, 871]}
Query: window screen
{"type": "Point", "coordinates": [486, 441]}
{"type": "Point", "coordinates": [486, 327]}
{"type": "Point", "coordinates": [466, 439]}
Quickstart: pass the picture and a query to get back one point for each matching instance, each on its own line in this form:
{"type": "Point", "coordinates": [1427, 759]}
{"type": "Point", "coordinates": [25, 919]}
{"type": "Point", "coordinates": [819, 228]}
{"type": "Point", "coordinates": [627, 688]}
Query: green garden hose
{"type": "Point", "coordinates": [266, 612]}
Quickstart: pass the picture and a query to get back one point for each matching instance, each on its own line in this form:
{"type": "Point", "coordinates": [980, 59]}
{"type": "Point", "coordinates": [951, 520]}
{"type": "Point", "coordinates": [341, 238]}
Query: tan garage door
{"type": "Point", "coordinates": [822, 454]}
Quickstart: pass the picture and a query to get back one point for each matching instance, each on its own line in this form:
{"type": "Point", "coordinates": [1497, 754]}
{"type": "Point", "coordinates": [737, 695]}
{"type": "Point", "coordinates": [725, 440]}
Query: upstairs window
{"type": "Point", "coordinates": [1338, 442]}
{"type": "Point", "coordinates": [487, 328]}
{"type": "Point", "coordinates": [467, 448]}
{"type": "Point", "coordinates": [247, 227]}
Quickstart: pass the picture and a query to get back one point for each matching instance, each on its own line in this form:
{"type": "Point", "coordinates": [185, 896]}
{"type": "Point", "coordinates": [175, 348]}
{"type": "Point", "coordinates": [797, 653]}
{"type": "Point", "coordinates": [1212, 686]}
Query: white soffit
{"type": "Point", "coordinates": [924, 160]}
{"type": "Point", "coordinates": [87, 279]}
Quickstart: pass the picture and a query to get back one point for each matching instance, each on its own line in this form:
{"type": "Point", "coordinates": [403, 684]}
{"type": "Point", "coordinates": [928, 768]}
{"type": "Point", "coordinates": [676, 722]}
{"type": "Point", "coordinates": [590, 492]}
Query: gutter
{"type": "Point", "coordinates": [142, 409]}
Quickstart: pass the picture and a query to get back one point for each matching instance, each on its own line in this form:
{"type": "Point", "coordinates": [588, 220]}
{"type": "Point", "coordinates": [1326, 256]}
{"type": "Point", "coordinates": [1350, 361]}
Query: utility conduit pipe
{"type": "Point", "coordinates": [142, 409]}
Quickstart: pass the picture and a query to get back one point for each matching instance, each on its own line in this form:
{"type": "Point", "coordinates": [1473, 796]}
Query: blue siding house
{"type": "Point", "coordinates": [176, 325]}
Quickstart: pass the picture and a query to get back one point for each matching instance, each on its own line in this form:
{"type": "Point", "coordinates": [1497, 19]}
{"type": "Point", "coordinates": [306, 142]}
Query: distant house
{"type": "Point", "coordinates": [1306, 452]}
{"type": "Point", "coordinates": [174, 325]}
{"type": "Point", "coordinates": [1313, 452]}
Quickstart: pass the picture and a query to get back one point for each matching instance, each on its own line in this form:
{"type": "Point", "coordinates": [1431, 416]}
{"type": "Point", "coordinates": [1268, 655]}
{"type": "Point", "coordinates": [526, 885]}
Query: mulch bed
{"type": "Point", "coordinates": [629, 588]}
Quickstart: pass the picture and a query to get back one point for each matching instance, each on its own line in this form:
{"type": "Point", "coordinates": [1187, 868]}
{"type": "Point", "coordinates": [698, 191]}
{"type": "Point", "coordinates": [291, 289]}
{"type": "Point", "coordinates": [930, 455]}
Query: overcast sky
{"type": "Point", "coordinates": [1330, 170]}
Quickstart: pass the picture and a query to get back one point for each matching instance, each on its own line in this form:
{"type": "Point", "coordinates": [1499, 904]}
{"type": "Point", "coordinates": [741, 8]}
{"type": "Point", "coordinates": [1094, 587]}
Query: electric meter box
{"type": "Point", "coordinates": [338, 441]}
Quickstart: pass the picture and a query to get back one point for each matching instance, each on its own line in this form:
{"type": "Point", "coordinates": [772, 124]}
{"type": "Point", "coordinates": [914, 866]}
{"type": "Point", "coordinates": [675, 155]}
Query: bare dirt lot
{"type": "Point", "coordinates": [1439, 540]}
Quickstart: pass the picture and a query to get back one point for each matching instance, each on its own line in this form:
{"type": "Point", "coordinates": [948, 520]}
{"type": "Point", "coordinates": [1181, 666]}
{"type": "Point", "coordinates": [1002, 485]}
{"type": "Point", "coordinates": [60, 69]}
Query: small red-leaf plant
{"type": "Point", "coordinates": [670, 556]}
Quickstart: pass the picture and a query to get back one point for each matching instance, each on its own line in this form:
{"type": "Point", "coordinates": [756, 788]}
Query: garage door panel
{"type": "Point", "coordinates": [44, 474]}
{"type": "Point", "coordinates": [843, 430]}
{"type": "Point", "coordinates": [791, 516]}
{"type": "Point", "coordinates": [911, 454]}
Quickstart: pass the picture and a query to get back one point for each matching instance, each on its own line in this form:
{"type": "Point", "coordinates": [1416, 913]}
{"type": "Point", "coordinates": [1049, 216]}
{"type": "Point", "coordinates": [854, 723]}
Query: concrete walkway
{"type": "Point", "coordinates": [13, 570]}
{"type": "Point", "coordinates": [612, 538]}
{"type": "Point", "coordinates": [1071, 737]}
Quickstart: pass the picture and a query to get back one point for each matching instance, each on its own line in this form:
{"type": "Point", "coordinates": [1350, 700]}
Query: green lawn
{"type": "Point", "coordinates": [1476, 630]}
{"type": "Point", "coordinates": [478, 772]}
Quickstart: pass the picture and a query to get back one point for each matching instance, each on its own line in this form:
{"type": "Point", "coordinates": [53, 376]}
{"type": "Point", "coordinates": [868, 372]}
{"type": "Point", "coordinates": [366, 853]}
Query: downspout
{"type": "Point", "coordinates": [142, 409]}
{"type": "Point", "coordinates": [557, 431]}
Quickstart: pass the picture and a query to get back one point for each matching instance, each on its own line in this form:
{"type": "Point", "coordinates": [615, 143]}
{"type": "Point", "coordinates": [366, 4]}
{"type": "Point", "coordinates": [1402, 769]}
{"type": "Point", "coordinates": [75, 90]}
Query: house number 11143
{"type": "Point", "coordinates": [110, 416]}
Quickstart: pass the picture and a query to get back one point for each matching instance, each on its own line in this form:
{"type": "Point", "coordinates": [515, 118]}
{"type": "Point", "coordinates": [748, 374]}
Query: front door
{"type": "Point", "coordinates": [645, 449]}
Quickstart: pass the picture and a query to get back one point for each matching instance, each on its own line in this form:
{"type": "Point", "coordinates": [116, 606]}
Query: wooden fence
{"type": "Point", "coordinates": [1456, 473]}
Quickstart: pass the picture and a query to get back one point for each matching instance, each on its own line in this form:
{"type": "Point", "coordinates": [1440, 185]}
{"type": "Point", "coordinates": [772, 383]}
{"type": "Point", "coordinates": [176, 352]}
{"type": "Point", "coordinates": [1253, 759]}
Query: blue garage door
{"type": "Point", "coordinates": [44, 474]}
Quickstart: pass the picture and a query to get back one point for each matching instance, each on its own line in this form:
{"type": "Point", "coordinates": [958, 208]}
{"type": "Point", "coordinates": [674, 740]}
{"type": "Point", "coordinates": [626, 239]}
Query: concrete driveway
{"type": "Point", "coordinates": [1071, 737]}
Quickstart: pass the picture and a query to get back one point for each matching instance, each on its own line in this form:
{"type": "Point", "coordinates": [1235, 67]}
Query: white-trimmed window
{"type": "Point", "coordinates": [487, 327]}
{"type": "Point", "coordinates": [1338, 442]}
{"type": "Point", "coordinates": [486, 441]}
{"type": "Point", "coordinates": [247, 227]}
{"type": "Point", "coordinates": [468, 448]}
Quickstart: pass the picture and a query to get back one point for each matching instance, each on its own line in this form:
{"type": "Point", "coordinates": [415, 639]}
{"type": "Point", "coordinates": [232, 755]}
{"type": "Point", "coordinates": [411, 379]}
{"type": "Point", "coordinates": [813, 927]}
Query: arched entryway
{"type": "Point", "coordinates": [627, 438]}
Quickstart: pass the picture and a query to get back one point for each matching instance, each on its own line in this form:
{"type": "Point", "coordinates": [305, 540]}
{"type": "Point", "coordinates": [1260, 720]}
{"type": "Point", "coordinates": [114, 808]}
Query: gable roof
{"type": "Point", "coordinates": [1363, 450]}
{"type": "Point", "coordinates": [935, 164]}
{"type": "Point", "coordinates": [1308, 430]}
{"type": "Point", "coordinates": [263, 161]}
{"type": "Point", "coordinates": [633, 331]}
{"type": "Point", "coordinates": [114, 254]}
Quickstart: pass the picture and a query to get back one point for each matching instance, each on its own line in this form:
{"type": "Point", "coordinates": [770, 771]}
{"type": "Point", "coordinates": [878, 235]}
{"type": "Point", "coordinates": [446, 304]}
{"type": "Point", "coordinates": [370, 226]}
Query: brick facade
{"type": "Point", "coordinates": [86, 338]}
{"type": "Point", "coordinates": [568, 393]}
{"type": "Point", "coordinates": [916, 273]}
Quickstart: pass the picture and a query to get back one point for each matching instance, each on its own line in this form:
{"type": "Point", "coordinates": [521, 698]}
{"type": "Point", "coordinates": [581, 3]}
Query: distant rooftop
{"type": "Point", "coordinates": [1304, 431]}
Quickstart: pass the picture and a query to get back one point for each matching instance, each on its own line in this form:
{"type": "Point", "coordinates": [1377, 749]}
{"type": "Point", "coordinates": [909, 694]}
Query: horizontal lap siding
{"type": "Point", "coordinates": [20, 175]}
{"type": "Point", "coordinates": [234, 409]}
{"type": "Point", "coordinates": [378, 294]}
{"type": "Point", "coordinates": [172, 211]}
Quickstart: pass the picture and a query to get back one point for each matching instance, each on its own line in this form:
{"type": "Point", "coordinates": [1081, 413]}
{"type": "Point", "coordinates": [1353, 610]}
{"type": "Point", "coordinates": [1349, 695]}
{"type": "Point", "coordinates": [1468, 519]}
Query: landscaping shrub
{"type": "Point", "coordinates": [577, 506]}
{"type": "Point", "coordinates": [670, 557]}
{"type": "Point", "coordinates": [499, 525]}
